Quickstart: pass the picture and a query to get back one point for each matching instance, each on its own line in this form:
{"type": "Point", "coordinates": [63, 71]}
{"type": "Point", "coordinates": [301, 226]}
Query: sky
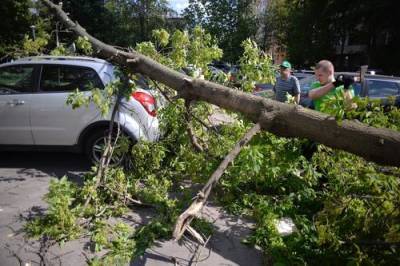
{"type": "Point", "coordinates": [178, 5]}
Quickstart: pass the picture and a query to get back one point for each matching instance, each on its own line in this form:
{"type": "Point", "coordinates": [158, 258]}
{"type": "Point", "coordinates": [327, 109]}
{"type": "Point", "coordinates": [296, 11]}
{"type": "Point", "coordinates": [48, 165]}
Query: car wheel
{"type": "Point", "coordinates": [95, 146]}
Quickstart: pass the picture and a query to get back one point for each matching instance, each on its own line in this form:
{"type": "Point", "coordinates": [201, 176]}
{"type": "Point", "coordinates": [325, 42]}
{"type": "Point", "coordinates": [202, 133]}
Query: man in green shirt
{"type": "Point", "coordinates": [327, 87]}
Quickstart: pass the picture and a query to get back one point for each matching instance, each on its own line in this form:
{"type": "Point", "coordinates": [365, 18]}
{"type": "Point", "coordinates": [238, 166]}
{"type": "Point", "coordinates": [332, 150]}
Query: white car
{"type": "Point", "coordinates": [34, 113]}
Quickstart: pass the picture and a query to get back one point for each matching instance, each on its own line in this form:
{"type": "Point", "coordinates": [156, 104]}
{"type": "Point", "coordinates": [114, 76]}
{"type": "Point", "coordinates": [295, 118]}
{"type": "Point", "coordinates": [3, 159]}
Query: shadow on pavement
{"type": "Point", "coordinates": [43, 164]}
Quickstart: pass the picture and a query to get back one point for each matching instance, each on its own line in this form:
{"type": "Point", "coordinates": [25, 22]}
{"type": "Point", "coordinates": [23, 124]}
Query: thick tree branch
{"type": "Point", "coordinates": [187, 216]}
{"type": "Point", "coordinates": [378, 145]}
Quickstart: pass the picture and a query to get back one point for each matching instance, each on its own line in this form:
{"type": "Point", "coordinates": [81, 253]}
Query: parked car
{"type": "Point", "coordinates": [376, 87]}
{"type": "Point", "coordinates": [225, 67]}
{"type": "Point", "coordinates": [302, 74]}
{"type": "Point", "coordinates": [34, 113]}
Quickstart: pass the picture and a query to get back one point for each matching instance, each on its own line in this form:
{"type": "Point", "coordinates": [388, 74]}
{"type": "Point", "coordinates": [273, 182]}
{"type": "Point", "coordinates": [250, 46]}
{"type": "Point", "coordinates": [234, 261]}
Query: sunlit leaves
{"type": "Point", "coordinates": [161, 36]}
{"type": "Point", "coordinates": [60, 221]}
{"type": "Point", "coordinates": [255, 66]}
{"type": "Point", "coordinates": [83, 44]}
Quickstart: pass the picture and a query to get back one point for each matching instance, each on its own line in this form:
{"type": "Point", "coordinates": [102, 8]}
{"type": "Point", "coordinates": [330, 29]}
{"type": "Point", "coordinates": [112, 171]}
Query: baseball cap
{"type": "Point", "coordinates": [286, 64]}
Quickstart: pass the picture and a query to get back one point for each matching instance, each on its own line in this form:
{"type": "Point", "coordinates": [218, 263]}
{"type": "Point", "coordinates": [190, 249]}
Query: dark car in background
{"type": "Point", "coordinates": [303, 73]}
{"type": "Point", "coordinates": [225, 67]}
{"type": "Point", "coordinates": [376, 87]}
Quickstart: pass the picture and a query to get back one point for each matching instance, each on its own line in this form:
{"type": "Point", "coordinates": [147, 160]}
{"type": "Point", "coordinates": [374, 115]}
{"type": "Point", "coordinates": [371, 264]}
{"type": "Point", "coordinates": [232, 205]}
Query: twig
{"type": "Point", "coordinates": [133, 201]}
{"type": "Point", "coordinates": [199, 250]}
{"type": "Point", "coordinates": [192, 136]}
{"type": "Point", "coordinates": [104, 158]}
{"type": "Point", "coordinates": [112, 147]}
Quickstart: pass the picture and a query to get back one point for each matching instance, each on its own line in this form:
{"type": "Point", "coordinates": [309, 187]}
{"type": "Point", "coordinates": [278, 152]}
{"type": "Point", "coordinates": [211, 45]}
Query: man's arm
{"type": "Point", "coordinates": [296, 91]}
{"type": "Point", "coordinates": [321, 91]}
{"type": "Point", "coordinates": [344, 80]}
{"type": "Point", "coordinates": [274, 89]}
{"type": "Point", "coordinates": [297, 98]}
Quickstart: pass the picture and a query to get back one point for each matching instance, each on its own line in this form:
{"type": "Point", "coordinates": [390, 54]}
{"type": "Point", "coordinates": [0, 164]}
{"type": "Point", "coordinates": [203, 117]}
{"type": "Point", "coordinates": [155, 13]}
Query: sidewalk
{"type": "Point", "coordinates": [22, 186]}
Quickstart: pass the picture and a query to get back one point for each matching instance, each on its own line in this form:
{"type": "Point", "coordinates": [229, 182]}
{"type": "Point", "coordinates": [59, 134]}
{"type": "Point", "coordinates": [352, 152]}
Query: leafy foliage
{"type": "Point", "coordinates": [183, 49]}
{"type": "Point", "coordinates": [60, 221]}
{"type": "Point", "coordinates": [255, 66]}
{"type": "Point", "coordinates": [342, 206]}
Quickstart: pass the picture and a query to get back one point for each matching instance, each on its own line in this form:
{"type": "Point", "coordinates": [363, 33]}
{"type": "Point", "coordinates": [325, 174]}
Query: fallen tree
{"type": "Point", "coordinates": [340, 203]}
{"type": "Point", "coordinates": [375, 144]}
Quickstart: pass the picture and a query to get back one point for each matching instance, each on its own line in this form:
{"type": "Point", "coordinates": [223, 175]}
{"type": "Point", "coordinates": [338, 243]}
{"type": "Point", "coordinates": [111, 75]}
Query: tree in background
{"type": "Point", "coordinates": [93, 15]}
{"type": "Point", "coordinates": [231, 22]}
{"type": "Point", "coordinates": [383, 36]}
{"type": "Point", "coordinates": [315, 29]}
{"type": "Point", "coordinates": [120, 22]}
{"type": "Point", "coordinates": [15, 23]}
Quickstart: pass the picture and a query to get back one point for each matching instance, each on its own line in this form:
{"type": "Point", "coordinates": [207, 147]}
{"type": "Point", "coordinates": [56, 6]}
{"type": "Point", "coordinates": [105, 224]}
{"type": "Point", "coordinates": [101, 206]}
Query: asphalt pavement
{"type": "Point", "coordinates": [24, 180]}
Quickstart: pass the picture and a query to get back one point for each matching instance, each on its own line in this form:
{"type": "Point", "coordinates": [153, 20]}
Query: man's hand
{"type": "Point", "coordinates": [344, 80]}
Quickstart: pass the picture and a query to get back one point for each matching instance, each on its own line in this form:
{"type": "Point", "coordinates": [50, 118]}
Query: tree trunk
{"type": "Point", "coordinates": [378, 145]}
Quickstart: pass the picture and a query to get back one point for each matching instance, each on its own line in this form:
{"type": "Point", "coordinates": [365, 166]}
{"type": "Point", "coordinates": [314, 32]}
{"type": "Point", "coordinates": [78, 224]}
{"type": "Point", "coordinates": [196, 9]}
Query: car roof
{"type": "Point", "coordinates": [369, 76]}
{"type": "Point", "coordinates": [97, 64]}
{"type": "Point", "coordinates": [303, 71]}
{"type": "Point", "coordinates": [55, 60]}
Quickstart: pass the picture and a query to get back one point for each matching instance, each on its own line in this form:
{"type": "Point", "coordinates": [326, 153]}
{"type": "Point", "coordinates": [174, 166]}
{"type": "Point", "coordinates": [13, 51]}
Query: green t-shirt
{"type": "Point", "coordinates": [336, 91]}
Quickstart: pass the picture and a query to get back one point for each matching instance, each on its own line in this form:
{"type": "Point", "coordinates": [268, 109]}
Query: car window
{"type": "Point", "coordinates": [59, 78]}
{"type": "Point", "coordinates": [16, 79]}
{"type": "Point", "coordinates": [301, 75]}
{"type": "Point", "coordinates": [382, 88]}
{"type": "Point", "coordinates": [305, 83]}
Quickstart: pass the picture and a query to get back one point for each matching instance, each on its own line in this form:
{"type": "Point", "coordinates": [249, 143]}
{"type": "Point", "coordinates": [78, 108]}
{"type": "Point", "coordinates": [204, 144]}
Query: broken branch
{"type": "Point", "coordinates": [187, 216]}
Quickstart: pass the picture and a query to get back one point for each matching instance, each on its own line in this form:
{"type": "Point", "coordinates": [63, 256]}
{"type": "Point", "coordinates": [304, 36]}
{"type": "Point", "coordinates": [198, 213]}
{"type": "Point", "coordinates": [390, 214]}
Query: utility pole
{"type": "Point", "coordinates": [57, 40]}
{"type": "Point", "coordinates": [33, 27]}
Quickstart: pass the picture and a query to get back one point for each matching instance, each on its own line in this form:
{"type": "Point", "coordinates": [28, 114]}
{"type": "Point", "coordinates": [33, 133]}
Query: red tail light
{"type": "Point", "coordinates": [147, 101]}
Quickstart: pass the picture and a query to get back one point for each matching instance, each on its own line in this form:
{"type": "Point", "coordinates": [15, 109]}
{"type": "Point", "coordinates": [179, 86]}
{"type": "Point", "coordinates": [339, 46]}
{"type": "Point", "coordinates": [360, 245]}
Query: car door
{"type": "Point", "coordinates": [54, 122]}
{"type": "Point", "coordinates": [16, 85]}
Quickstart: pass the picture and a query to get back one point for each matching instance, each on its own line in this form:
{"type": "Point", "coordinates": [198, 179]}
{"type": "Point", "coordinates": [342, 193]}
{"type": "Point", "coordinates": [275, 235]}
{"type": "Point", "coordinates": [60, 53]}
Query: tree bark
{"type": "Point", "coordinates": [378, 145]}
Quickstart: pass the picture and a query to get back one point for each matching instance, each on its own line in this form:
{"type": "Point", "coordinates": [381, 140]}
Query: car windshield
{"type": "Point", "coordinates": [382, 88]}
